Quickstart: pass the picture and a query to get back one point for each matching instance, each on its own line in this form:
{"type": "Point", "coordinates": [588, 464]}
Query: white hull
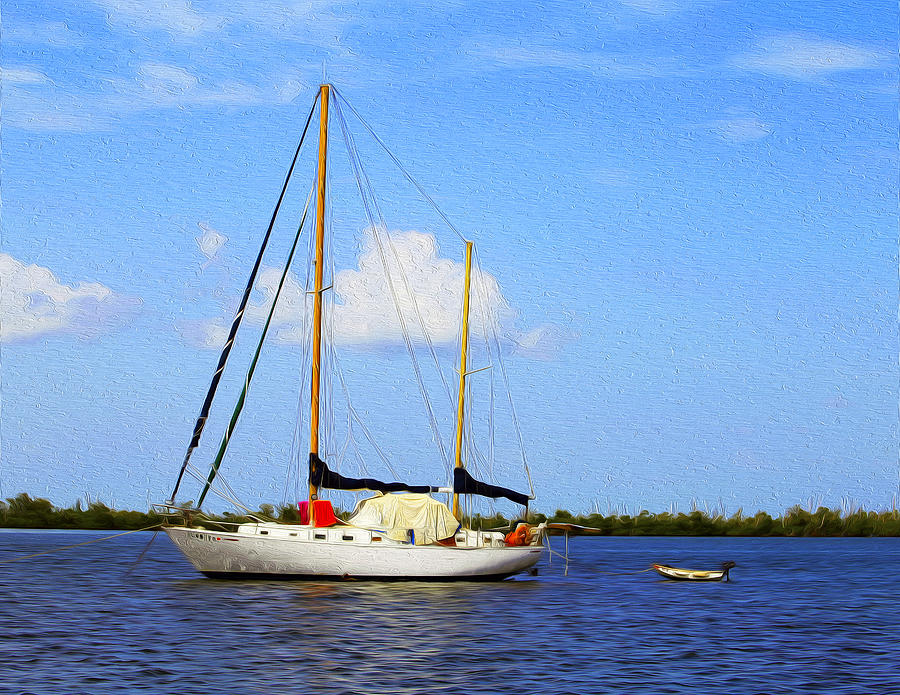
{"type": "Point", "coordinates": [341, 552]}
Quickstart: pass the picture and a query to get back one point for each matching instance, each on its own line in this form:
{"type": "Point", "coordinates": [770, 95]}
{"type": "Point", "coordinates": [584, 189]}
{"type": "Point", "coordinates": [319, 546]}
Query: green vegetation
{"type": "Point", "coordinates": [795, 522]}
{"type": "Point", "coordinates": [23, 511]}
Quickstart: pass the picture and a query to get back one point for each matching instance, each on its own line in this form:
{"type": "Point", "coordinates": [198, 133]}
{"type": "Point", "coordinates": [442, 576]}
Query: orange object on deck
{"type": "Point", "coordinates": [520, 536]}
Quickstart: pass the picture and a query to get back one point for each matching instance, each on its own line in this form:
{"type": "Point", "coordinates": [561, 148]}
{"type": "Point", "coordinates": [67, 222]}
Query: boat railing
{"type": "Point", "coordinates": [175, 515]}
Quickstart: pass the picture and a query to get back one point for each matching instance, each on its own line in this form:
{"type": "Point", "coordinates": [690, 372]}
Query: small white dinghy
{"type": "Point", "coordinates": [694, 575]}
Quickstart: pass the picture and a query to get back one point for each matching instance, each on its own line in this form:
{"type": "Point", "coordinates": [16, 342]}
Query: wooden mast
{"type": "Point", "coordinates": [464, 342]}
{"type": "Point", "coordinates": [324, 91]}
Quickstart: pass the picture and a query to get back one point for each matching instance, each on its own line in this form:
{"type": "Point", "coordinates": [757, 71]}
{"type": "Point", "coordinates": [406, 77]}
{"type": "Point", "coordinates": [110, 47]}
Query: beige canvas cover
{"type": "Point", "coordinates": [397, 514]}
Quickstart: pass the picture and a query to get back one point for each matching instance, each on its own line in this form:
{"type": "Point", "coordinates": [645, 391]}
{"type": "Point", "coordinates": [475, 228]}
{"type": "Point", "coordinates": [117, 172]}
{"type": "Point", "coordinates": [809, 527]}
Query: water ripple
{"type": "Point", "coordinates": [792, 620]}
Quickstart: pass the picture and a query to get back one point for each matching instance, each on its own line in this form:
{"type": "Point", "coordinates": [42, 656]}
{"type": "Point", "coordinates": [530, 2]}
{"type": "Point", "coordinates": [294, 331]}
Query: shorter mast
{"type": "Point", "coordinates": [460, 407]}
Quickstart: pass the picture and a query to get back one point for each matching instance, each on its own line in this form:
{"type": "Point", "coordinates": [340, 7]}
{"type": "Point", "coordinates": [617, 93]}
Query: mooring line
{"type": "Point", "coordinates": [143, 552]}
{"type": "Point", "coordinates": [75, 545]}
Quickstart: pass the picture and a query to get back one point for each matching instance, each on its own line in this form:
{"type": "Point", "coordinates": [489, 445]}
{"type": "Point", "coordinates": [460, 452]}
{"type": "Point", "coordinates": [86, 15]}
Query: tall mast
{"type": "Point", "coordinates": [324, 91]}
{"type": "Point", "coordinates": [464, 344]}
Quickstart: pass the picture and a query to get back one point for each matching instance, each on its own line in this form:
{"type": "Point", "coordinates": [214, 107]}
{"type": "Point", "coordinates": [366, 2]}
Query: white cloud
{"type": "Point", "coordinates": [211, 241]}
{"type": "Point", "coordinates": [55, 34]}
{"type": "Point", "coordinates": [287, 87]}
{"type": "Point", "coordinates": [34, 107]}
{"type": "Point", "coordinates": [166, 80]}
{"type": "Point", "coordinates": [22, 76]}
{"type": "Point", "coordinates": [317, 22]}
{"type": "Point", "coordinates": [663, 8]}
{"type": "Point", "coordinates": [161, 84]}
{"type": "Point", "coordinates": [803, 57]}
{"type": "Point", "coordinates": [614, 176]}
{"type": "Point", "coordinates": [543, 342]}
{"type": "Point", "coordinates": [313, 22]}
{"type": "Point", "coordinates": [653, 7]}
{"type": "Point", "coordinates": [607, 65]}
{"type": "Point", "coordinates": [165, 85]}
{"type": "Point", "coordinates": [34, 303]}
{"type": "Point", "coordinates": [174, 16]}
{"type": "Point", "coordinates": [740, 129]}
{"type": "Point", "coordinates": [364, 312]}
{"type": "Point", "coordinates": [204, 334]}
{"type": "Point", "coordinates": [29, 103]}
{"type": "Point", "coordinates": [289, 314]}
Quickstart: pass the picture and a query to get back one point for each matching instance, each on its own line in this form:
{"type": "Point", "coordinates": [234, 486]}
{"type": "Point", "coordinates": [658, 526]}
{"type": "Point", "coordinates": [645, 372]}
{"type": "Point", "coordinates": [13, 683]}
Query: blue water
{"type": "Point", "coordinates": [799, 616]}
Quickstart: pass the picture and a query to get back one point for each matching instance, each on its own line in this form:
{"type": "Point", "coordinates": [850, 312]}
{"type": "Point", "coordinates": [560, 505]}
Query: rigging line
{"type": "Point", "coordinates": [481, 293]}
{"type": "Point", "coordinates": [243, 397]}
{"type": "Point", "coordinates": [221, 488]}
{"type": "Point", "coordinates": [287, 479]}
{"type": "Point", "coordinates": [329, 342]}
{"type": "Point", "coordinates": [401, 167]}
{"type": "Point", "coordinates": [476, 458]}
{"type": "Point", "coordinates": [406, 337]}
{"type": "Point", "coordinates": [366, 432]}
{"type": "Point", "coordinates": [622, 574]}
{"type": "Point", "coordinates": [477, 462]}
{"type": "Point", "coordinates": [491, 411]}
{"type": "Point", "coordinates": [332, 369]}
{"type": "Point", "coordinates": [226, 350]}
{"type": "Point", "coordinates": [347, 440]}
{"type": "Point", "coordinates": [496, 335]}
{"type": "Point", "coordinates": [371, 191]}
{"type": "Point", "coordinates": [418, 314]}
{"type": "Point", "coordinates": [358, 459]}
{"type": "Point", "coordinates": [368, 435]}
{"type": "Point", "coordinates": [226, 491]}
{"type": "Point", "coordinates": [362, 175]}
{"type": "Point", "coordinates": [143, 552]}
{"type": "Point", "coordinates": [417, 311]}
{"type": "Point", "coordinates": [472, 455]}
{"type": "Point", "coordinates": [408, 340]}
{"type": "Point", "coordinates": [294, 461]}
{"type": "Point", "coordinates": [336, 368]}
{"type": "Point", "coordinates": [77, 545]}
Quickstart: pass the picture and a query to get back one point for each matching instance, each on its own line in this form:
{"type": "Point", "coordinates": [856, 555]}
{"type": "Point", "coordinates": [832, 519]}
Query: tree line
{"type": "Point", "coordinates": [796, 521]}
{"type": "Point", "coordinates": [23, 511]}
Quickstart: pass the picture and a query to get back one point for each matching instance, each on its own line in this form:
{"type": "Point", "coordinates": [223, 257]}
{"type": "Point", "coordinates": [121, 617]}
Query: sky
{"type": "Point", "coordinates": [685, 216]}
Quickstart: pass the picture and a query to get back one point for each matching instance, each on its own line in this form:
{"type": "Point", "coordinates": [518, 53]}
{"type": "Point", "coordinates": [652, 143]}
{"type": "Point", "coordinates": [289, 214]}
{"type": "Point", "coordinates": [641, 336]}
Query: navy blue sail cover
{"type": "Point", "coordinates": [465, 484]}
{"type": "Point", "coordinates": [321, 475]}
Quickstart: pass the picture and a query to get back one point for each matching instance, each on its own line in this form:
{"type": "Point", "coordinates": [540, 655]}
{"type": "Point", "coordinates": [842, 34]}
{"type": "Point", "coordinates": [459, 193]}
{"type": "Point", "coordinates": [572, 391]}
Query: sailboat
{"type": "Point", "coordinates": [402, 531]}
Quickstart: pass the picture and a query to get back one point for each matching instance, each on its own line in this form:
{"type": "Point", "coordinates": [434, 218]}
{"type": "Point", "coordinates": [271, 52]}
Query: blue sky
{"type": "Point", "coordinates": [690, 209]}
